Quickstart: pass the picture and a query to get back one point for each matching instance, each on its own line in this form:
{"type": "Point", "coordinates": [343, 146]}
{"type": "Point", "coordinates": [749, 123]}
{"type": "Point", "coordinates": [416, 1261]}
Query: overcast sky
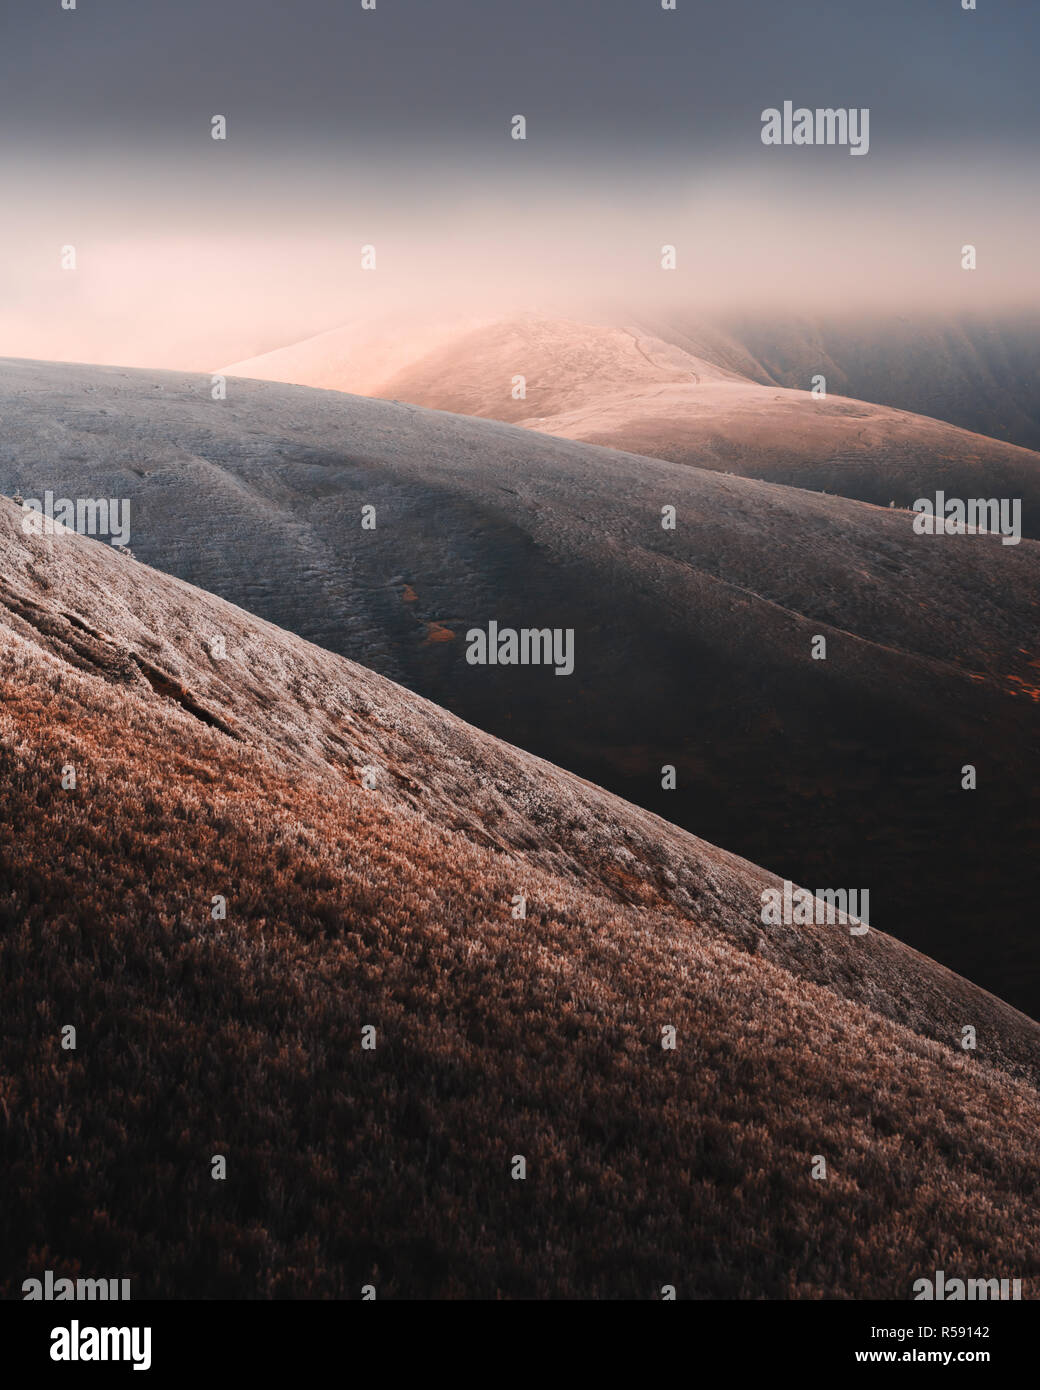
{"type": "Point", "coordinates": [392, 126]}
{"type": "Point", "coordinates": [604, 77]}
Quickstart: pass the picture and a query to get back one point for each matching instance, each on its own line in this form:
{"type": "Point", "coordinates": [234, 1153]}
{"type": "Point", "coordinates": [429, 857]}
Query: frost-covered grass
{"type": "Point", "coordinates": [495, 1037]}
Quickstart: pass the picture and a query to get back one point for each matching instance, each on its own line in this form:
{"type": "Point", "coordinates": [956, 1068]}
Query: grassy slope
{"type": "Point", "coordinates": [693, 646]}
{"type": "Point", "coordinates": [708, 401]}
{"type": "Point", "coordinates": [391, 907]}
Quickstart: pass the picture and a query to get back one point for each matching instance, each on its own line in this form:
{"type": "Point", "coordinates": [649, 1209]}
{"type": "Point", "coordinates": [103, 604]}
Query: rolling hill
{"type": "Point", "coordinates": [368, 847]}
{"type": "Point", "coordinates": [978, 371]}
{"type": "Point", "coordinates": [694, 393]}
{"type": "Point", "coordinates": [693, 647]}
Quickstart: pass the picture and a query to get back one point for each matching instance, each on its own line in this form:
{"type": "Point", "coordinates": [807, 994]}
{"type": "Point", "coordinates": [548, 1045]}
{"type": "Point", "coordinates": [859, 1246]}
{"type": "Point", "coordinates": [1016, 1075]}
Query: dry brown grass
{"type": "Point", "coordinates": [349, 907]}
{"type": "Point", "coordinates": [495, 1038]}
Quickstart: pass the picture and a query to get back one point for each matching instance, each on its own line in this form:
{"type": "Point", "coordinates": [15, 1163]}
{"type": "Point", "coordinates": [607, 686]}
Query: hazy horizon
{"type": "Point", "coordinates": [392, 128]}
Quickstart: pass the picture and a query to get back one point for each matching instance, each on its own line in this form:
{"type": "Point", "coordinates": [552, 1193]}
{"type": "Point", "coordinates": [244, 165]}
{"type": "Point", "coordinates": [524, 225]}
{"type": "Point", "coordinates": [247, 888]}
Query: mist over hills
{"type": "Point", "coordinates": [388, 906]}
{"type": "Point", "coordinates": [693, 646]}
{"type": "Point", "coordinates": [979, 371]}
{"type": "Point", "coordinates": [695, 391]}
{"type": "Point", "coordinates": [501, 796]}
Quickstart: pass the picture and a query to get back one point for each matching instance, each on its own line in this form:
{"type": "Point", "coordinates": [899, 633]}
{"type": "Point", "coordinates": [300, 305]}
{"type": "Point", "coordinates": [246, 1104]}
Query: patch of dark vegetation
{"type": "Point", "coordinates": [171, 689]}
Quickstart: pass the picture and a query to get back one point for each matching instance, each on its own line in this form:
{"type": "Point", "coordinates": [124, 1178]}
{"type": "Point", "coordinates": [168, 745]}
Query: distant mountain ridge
{"type": "Point", "coordinates": [738, 400]}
